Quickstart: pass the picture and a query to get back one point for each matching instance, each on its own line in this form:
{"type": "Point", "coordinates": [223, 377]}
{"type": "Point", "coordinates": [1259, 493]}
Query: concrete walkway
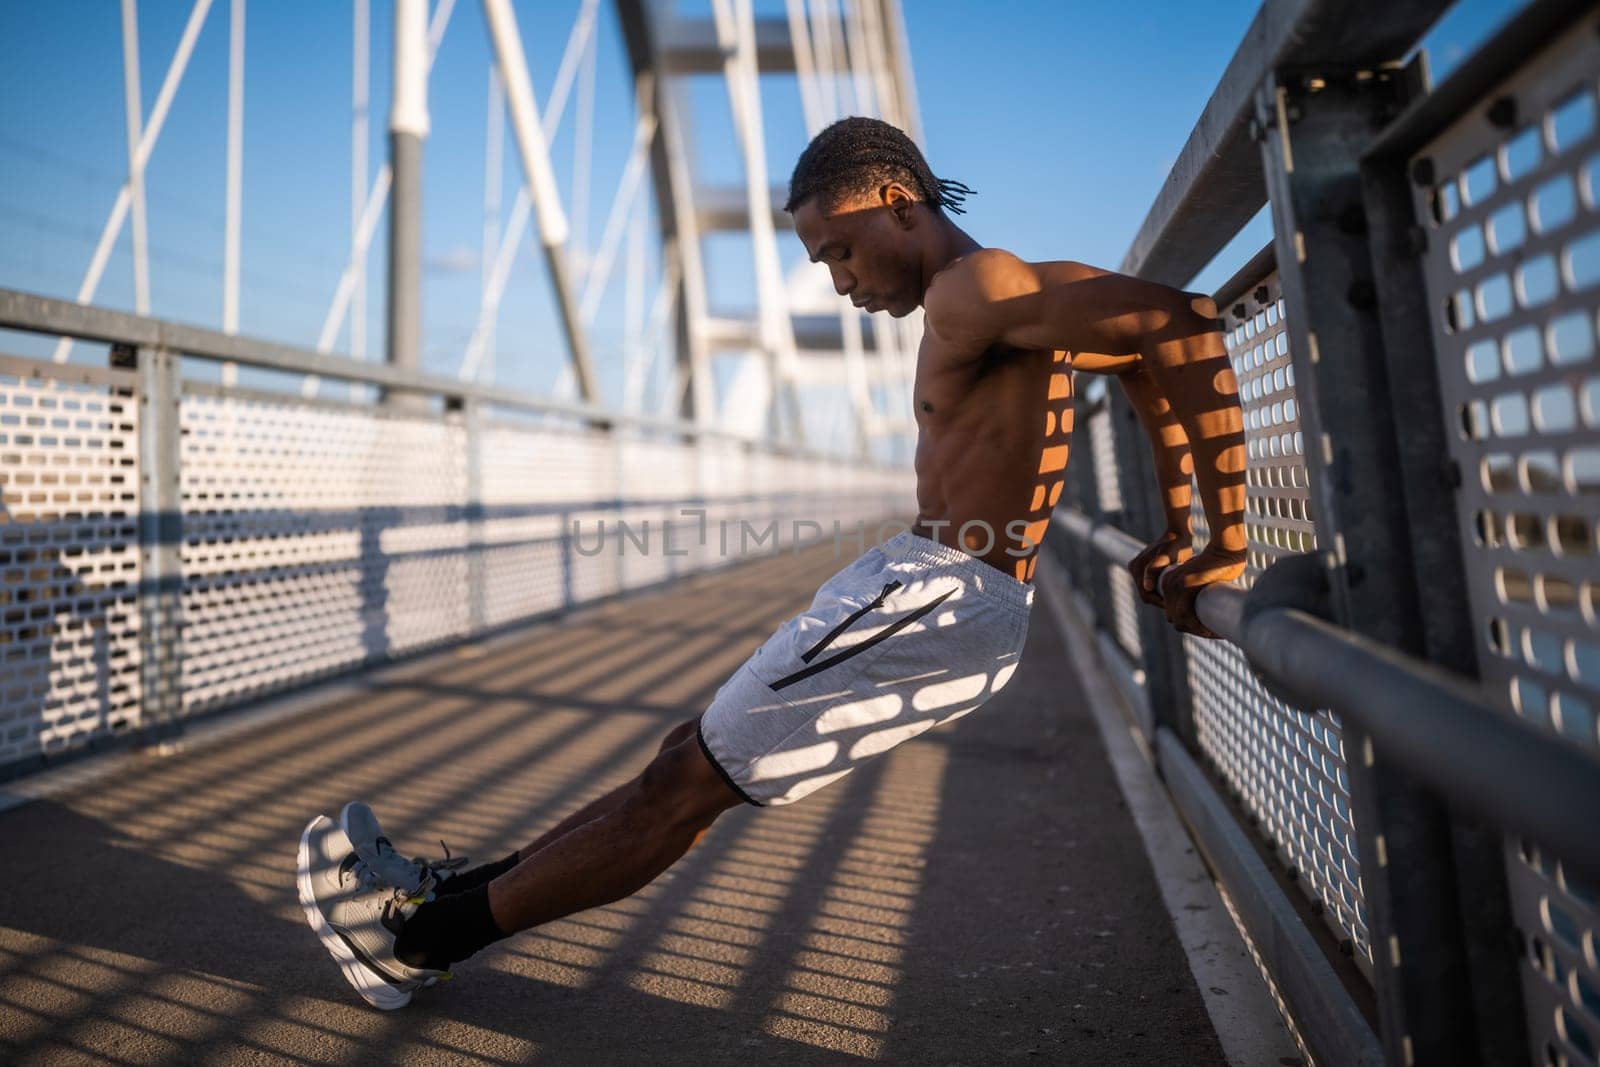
{"type": "Point", "coordinates": [979, 894]}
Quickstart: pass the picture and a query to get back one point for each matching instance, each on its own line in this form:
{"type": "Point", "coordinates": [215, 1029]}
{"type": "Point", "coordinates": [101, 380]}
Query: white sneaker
{"type": "Point", "coordinates": [360, 826]}
{"type": "Point", "coordinates": [357, 917]}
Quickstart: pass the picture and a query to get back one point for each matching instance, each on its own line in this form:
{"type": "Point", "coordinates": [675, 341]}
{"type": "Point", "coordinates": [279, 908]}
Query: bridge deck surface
{"type": "Point", "coordinates": [978, 894]}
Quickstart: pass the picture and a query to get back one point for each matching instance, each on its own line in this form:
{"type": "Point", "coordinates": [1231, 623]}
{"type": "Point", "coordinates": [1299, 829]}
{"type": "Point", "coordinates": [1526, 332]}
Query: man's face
{"type": "Point", "coordinates": [868, 247]}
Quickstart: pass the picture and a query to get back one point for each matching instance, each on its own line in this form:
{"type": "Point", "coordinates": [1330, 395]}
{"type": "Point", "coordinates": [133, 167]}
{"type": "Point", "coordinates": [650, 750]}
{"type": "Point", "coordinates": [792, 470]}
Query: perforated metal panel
{"type": "Point", "coordinates": [1287, 764]}
{"type": "Point", "coordinates": [659, 479]}
{"type": "Point", "coordinates": [321, 535]}
{"type": "Point", "coordinates": [316, 536]}
{"type": "Point", "coordinates": [1103, 452]}
{"type": "Point", "coordinates": [1125, 605]}
{"type": "Point", "coordinates": [1513, 271]}
{"type": "Point", "coordinates": [69, 555]}
{"type": "Point", "coordinates": [1278, 509]}
{"type": "Point", "coordinates": [539, 485]}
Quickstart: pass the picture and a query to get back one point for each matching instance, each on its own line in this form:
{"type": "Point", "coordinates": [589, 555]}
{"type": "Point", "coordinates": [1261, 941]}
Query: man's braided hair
{"type": "Point", "coordinates": [857, 154]}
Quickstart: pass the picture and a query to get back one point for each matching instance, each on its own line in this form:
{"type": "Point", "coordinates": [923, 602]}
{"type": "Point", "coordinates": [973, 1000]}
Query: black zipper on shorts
{"type": "Point", "coordinates": [828, 637]}
{"type": "Point", "coordinates": [856, 649]}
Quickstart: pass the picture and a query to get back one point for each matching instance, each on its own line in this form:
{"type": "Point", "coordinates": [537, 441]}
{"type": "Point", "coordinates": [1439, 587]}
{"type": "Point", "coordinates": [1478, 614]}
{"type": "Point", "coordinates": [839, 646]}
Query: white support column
{"type": "Point", "coordinates": [230, 267]}
{"type": "Point", "coordinates": [890, 107]}
{"type": "Point", "coordinates": [833, 21]}
{"type": "Point", "coordinates": [812, 96]}
{"type": "Point", "coordinates": [525, 124]}
{"type": "Point", "coordinates": [567, 72]}
{"type": "Point", "coordinates": [408, 129]}
{"type": "Point", "coordinates": [831, 56]}
{"type": "Point", "coordinates": [478, 359]}
{"type": "Point", "coordinates": [553, 230]}
{"type": "Point", "coordinates": [582, 153]}
{"type": "Point", "coordinates": [230, 251]}
{"type": "Point", "coordinates": [736, 28]}
{"type": "Point", "coordinates": [493, 170]}
{"type": "Point", "coordinates": [133, 106]}
{"type": "Point", "coordinates": [360, 137]}
{"type": "Point", "coordinates": [868, 64]}
{"type": "Point", "coordinates": [373, 207]}
{"type": "Point", "coordinates": [876, 88]}
{"type": "Point", "coordinates": [692, 390]}
{"type": "Point", "coordinates": [805, 67]}
{"type": "Point", "coordinates": [827, 80]}
{"type": "Point", "coordinates": [860, 65]}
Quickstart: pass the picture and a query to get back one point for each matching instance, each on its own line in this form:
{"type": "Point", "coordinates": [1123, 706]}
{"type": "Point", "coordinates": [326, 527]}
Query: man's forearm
{"type": "Point", "coordinates": [1169, 446]}
{"type": "Point", "coordinates": [1205, 400]}
{"type": "Point", "coordinates": [1204, 395]}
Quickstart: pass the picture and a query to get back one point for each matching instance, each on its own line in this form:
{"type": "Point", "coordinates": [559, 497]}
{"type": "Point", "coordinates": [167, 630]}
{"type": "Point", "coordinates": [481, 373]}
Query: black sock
{"type": "Point", "coordinates": [480, 875]}
{"type": "Point", "coordinates": [447, 929]}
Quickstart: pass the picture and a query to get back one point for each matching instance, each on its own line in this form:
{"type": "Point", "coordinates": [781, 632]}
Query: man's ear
{"type": "Point", "coordinates": [901, 204]}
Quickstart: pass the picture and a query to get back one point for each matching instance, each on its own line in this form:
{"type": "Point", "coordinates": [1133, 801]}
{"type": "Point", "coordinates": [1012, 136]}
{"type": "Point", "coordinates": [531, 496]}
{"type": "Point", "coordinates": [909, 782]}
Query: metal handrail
{"type": "Point", "coordinates": [1432, 722]}
{"type": "Point", "coordinates": [47, 315]}
{"type": "Point", "coordinates": [1216, 185]}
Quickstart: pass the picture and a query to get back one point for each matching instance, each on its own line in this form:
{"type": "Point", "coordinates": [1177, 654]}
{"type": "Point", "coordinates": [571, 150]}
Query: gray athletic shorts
{"type": "Point", "coordinates": [911, 635]}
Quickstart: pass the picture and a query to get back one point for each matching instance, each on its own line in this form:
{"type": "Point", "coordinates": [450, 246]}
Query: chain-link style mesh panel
{"type": "Point", "coordinates": [69, 557]}
{"type": "Point", "coordinates": [1288, 765]}
{"type": "Point", "coordinates": [1513, 275]}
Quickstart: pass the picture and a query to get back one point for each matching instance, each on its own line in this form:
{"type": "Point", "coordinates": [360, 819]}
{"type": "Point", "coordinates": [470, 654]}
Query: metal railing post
{"type": "Point", "coordinates": [1447, 633]}
{"type": "Point", "coordinates": [160, 543]}
{"type": "Point", "coordinates": [1314, 126]}
{"type": "Point", "coordinates": [471, 415]}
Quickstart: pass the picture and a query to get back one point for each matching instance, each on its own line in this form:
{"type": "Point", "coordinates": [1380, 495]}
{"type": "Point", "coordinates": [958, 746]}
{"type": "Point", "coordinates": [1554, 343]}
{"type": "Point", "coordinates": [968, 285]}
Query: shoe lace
{"type": "Point", "coordinates": [427, 873]}
{"type": "Point", "coordinates": [441, 868]}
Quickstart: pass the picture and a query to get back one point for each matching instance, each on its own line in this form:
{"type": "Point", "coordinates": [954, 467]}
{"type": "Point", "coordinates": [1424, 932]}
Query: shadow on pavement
{"type": "Point", "coordinates": [977, 894]}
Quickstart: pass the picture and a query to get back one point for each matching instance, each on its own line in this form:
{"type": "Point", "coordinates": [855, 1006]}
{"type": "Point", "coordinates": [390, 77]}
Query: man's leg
{"type": "Point", "coordinates": [660, 815]}
{"type": "Point", "coordinates": [596, 808]}
{"type": "Point", "coordinates": [487, 872]}
{"type": "Point", "coordinates": [655, 820]}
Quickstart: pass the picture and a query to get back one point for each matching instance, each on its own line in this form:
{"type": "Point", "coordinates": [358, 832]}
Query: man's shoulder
{"type": "Point", "coordinates": [987, 277]}
{"type": "Point", "coordinates": [966, 297]}
{"type": "Point", "coordinates": [982, 274]}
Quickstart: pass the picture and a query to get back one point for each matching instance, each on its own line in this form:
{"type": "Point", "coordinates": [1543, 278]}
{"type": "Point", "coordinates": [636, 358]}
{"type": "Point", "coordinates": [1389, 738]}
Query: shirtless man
{"type": "Point", "coordinates": [919, 630]}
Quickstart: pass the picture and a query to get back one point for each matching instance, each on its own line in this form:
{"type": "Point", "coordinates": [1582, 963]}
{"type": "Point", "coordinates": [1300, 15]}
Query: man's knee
{"type": "Point", "coordinates": [680, 732]}
{"type": "Point", "coordinates": [681, 786]}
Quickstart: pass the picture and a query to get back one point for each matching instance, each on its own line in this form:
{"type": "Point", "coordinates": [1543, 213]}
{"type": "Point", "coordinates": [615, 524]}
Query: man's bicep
{"type": "Point", "coordinates": [1086, 309]}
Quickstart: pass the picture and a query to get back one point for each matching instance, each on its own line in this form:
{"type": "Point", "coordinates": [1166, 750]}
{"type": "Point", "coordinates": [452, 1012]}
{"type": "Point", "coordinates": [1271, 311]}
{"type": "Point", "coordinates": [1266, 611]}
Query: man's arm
{"type": "Point", "coordinates": [1188, 369]}
{"type": "Point", "coordinates": [991, 296]}
{"type": "Point", "coordinates": [1173, 466]}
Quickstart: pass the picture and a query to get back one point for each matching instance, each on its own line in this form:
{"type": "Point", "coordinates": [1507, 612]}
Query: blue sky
{"type": "Point", "coordinates": [1064, 115]}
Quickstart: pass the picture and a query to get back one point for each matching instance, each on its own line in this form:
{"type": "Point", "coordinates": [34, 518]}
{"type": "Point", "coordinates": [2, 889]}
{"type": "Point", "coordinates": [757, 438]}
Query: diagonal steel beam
{"type": "Point", "coordinates": [139, 156]}
{"type": "Point", "coordinates": [535, 152]}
